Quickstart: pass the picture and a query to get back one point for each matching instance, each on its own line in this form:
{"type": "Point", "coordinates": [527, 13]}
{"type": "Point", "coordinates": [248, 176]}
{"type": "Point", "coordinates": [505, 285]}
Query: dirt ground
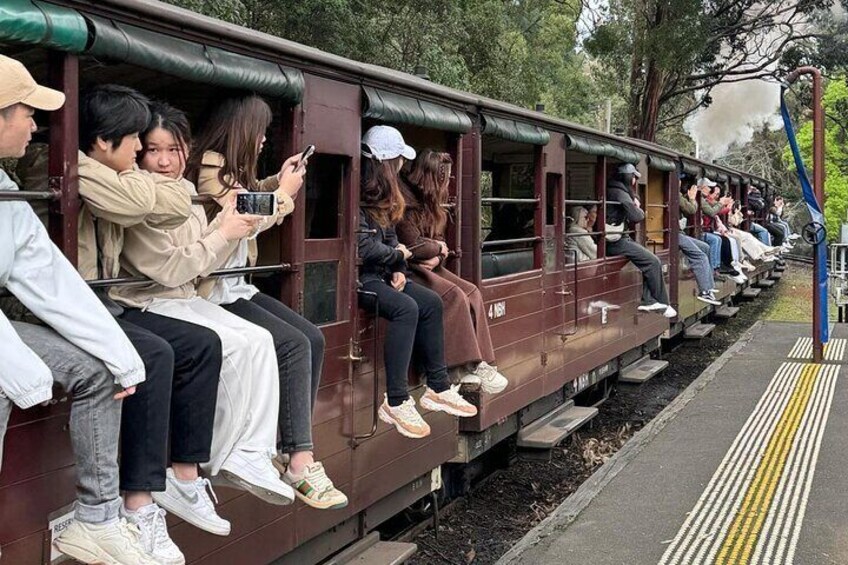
{"type": "Point", "coordinates": [484, 525]}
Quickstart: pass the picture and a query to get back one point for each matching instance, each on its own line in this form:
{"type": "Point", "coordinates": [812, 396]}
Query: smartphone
{"type": "Point", "coordinates": [257, 203]}
{"type": "Point", "coordinates": [307, 153]}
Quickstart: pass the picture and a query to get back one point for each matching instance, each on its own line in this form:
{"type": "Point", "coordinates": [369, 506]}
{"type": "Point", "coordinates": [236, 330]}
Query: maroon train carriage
{"type": "Point", "coordinates": [560, 326]}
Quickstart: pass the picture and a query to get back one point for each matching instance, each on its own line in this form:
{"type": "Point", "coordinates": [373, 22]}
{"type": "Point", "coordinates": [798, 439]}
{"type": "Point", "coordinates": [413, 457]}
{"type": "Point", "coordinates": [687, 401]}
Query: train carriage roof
{"type": "Point", "coordinates": [203, 49]}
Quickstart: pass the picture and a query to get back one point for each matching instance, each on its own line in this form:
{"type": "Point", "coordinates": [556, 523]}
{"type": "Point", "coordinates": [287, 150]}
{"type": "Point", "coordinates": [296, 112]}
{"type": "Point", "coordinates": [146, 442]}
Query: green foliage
{"type": "Point", "coordinates": [520, 51]}
{"type": "Point", "coordinates": [835, 101]}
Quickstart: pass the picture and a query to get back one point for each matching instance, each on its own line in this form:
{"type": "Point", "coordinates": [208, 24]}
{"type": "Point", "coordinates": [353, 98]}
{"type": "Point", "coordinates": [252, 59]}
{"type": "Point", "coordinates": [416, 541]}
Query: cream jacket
{"type": "Point", "coordinates": [209, 183]}
{"type": "Point", "coordinates": [174, 259]}
{"type": "Point", "coordinates": [114, 201]}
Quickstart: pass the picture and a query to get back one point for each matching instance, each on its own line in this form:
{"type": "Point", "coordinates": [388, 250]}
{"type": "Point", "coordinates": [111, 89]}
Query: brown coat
{"type": "Point", "coordinates": [464, 310]}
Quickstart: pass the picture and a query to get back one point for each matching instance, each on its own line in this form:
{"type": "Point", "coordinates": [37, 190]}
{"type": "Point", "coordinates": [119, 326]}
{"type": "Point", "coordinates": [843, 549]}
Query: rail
{"type": "Point", "coordinates": [584, 202]}
{"type": "Point", "coordinates": [28, 195]}
{"type": "Point", "coordinates": [517, 240]}
{"type": "Point", "coordinates": [133, 281]}
{"type": "Point", "coordinates": [509, 200]}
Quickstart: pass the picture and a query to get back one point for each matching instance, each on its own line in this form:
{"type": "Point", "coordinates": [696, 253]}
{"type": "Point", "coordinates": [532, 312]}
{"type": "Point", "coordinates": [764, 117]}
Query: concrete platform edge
{"type": "Point", "coordinates": [571, 507]}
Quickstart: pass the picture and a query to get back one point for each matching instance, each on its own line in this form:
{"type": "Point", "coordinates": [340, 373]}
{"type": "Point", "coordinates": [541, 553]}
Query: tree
{"type": "Point", "coordinates": [671, 53]}
{"type": "Point", "coordinates": [835, 101]}
{"type": "Point", "coordinates": [521, 51]}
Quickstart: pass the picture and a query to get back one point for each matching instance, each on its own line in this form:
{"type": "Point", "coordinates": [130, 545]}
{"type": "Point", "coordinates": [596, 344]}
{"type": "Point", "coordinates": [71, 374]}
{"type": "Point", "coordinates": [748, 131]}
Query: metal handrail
{"type": "Point", "coordinates": [582, 234]}
{"type": "Point", "coordinates": [375, 406]}
{"type": "Point", "coordinates": [502, 242]}
{"type": "Point", "coordinates": [591, 202]}
{"type": "Point", "coordinates": [133, 281]}
{"type": "Point", "coordinates": [657, 205]}
{"type": "Point", "coordinates": [509, 200]}
{"type": "Point", "coordinates": [28, 195]}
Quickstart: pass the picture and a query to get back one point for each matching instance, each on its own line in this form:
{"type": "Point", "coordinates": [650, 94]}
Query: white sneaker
{"type": "Point", "coordinates": [670, 312]}
{"type": "Point", "coordinates": [739, 279]}
{"type": "Point", "coordinates": [459, 375]}
{"type": "Point", "coordinates": [491, 381]}
{"type": "Point", "coordinates": [150, 521]}
{"type": "Point", "coordinates": [254, 472]}
{"type": "Point", "coordinates": [190, 501]}
{"type": "Point", "coordinates": [114, 543]}
{"type": "Point", "coordinates": [315, 488]}
{"type": "Point", "coordinates": [655, 307]}
{"type": "Point", "coordinates": [405, 418]}
{"type": "Point", "coordinates": [748, 266]}
{"type": "Point", "coordinates": [794, 236]}
{"type": "Point", "coordinates": [449, 401]}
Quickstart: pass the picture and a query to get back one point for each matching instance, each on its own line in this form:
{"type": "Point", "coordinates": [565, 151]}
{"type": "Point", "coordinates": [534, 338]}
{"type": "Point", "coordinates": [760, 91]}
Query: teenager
{"type": "Point", "coordinates": [414, 312]}
{"type": "Point", "coordinates": [82, 349]}
{"type": "Point", "coordinates": [225, 161]}
{"type": "Point", "coordinates": [578, 238]}
{"type": "Point", "coordinates": [621, 190]}
{"type": "Point", "coordinates": [422, 231]}
{"type": "Point", "coordinates": [720, 246]}
{"type": "Point", "coordinates": [697, 252]}
{"type": "Point", "coordinates": [182, 360]}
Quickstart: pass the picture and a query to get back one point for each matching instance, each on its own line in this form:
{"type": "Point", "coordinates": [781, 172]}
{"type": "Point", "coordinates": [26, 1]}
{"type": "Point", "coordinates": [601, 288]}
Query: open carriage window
{"type": "Point", "coordinates": [582, 207]}
{"type": "Point", "coordinates": [508, 207]}
{"type": "Point", "coordinates": [325, 178]}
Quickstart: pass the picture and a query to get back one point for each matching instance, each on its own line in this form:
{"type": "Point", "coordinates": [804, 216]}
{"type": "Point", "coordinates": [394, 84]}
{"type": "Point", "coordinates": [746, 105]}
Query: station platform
{"type": "Point", "coordinates": [748, 465]}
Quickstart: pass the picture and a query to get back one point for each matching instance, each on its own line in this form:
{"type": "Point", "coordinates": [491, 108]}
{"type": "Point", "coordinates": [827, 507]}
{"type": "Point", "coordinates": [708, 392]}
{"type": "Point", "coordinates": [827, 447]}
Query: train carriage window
{"type": "Point", "coordinates": [656, 210]}
{"type": "Point", "coordinates": [553, 208]}
{"type": "Point", "coordinates": [324, 180]}
{"type": "Point", "coordinates": [582, 206]}
{"type": "Point", "coordinates": [509, 205]}
{"type": "Point", "coordinates": [320, 291]}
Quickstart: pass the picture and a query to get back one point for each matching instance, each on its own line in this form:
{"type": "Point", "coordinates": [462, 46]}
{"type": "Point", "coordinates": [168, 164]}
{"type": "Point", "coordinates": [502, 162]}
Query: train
{"type": "Point", "coordinates": [563, 329]}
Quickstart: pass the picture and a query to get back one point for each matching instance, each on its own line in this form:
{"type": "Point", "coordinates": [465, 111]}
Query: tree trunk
{"type": "Point", "coordinates": [651, 103]}
{"type": "Point", "coordinates": [634, 105]}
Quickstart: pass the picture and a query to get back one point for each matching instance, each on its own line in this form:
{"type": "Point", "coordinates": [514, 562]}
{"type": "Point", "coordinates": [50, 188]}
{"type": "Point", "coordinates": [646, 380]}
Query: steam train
{"type": "Point", "coordinates": [562, 328]}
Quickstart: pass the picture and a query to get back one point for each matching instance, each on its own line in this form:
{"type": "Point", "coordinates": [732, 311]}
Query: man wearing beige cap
{"type": "Point", "coordinates": [81, 348]}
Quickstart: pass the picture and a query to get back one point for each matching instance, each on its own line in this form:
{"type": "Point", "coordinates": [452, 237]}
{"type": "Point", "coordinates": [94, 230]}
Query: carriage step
{"type": "Point", "coordinates": [751, 292]}
{"type": "Point", "coordinates": [780, 268]}
{"type": "Point", "coordinates": [371, 551]}
{"type": "Point", "coordinates": [698, 331]}
{"type": "Point", "coordinates": [776, 275]}
{"type": "Point", "coordinates": [548, 431]}
{"type": "Point", "coordinates": [642, 370]}
{"type": "Point", "coordinates": [765, 283]}
{"type": "Point", "coordinates": [726, 312]}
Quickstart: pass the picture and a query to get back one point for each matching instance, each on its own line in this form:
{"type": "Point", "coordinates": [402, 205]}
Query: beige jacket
{"type": "Point", "coordinates": [114, 201]}
{"type": "Point", "coordinates": [209, 183]}
{"type": "Point", "coordinates": [172, 258]}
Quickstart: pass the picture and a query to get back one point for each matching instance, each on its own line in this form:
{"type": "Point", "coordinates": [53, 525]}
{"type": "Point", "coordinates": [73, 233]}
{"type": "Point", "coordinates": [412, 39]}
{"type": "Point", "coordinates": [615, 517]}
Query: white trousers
{"type": "Point", "coordinates": [249, 390]}
{"type": "Point", "coordinates": [750, 244]}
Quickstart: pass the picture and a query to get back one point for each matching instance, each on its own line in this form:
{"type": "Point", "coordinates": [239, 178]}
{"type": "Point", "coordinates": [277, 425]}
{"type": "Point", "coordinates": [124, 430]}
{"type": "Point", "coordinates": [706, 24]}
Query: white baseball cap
{"type": "Point", "coordinates": [18, 87]}
{"type": "Point", "coordinates": [629, 169]}
{"type": "Point", "coordinates": [704, 181]}
{"type": "Point", "coordinates": [385, 142]}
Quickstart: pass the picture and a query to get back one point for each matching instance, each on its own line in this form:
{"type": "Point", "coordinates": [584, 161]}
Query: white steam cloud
{"type": "Point", "coordinates": [737, 111]}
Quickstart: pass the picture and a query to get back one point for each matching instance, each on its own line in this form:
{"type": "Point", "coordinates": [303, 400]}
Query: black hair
{"type": "Point", "coordinates": [625, 178]}
{"type": "Point", "coordinates": [111, 112]}
{"type": "Point", "coordinates": [170, 119]}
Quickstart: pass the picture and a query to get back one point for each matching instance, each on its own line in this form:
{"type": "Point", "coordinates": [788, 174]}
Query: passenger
{"type": "Point", "coordinates": [224, 162]}
{"type": "Point", "coordinates": [777, 231]}
{"type": "Point", "coordinates": [725, 203]}
{"type": "Point", "coordinates": [710, 208]}
{"type": "Point", "coordinates": [779, 205]}
{"type": "Point", "coordinates": [470, 353]}
{"type": "Point", "coordinates": [413, 311]}
{"type": "Point", "coordinates": [579, 239]}
{"type": "Point", "coordinates": [240, 434]}
{"type": "Point", "coordinates": [752, 246]}
{"type": "Point", "coordinates": [81, 349]}
{"type": "Point", "coordinates": [697, 252]}
{"type": "Point", "coordinates": [183, 360]}
{"type": "Point", "coordinates": [620, 189]}
{"type": "Point", "coordinates": [756, 205]}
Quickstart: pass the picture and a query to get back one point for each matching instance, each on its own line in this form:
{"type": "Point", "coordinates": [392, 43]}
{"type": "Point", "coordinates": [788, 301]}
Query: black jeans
{"type": "Point", "coordinates": [300, 356]}
{"type": "Point", "coordinates": [183, 365]}
{"type": "Point", "coordinates": [653, 285]}
{"type": "Point", "coordinates": [777, 233]}
{"type": "Point", "coordinates": [415, 323]}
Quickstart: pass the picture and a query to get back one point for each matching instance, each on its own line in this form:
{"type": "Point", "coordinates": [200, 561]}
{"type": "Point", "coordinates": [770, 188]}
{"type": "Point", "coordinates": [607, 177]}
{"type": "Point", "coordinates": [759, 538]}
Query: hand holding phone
{"type": "Point", "coordinates": [307, 153]}
{"type": "Point", "coordinates": [256, 203]}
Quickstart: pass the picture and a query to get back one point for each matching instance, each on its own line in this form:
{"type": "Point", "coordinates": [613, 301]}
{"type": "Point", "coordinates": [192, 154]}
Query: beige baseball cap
{"type": "Point", "coordinates": [18, 87]}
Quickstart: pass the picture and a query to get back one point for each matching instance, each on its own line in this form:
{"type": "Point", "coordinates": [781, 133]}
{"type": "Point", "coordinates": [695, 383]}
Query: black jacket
{"type": "Point", "coordinates": [755, 200]}
{"type": "Point", "coordinates": [377, 250]}
{"type": "Point", "coordinates": [627, 211]}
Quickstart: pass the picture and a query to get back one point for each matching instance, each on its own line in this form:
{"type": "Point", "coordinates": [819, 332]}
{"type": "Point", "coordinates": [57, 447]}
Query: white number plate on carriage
{"type": "Point", "coordinates": [497, 310]}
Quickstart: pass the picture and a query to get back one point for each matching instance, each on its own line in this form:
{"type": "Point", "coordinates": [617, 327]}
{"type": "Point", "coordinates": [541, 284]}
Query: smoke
{"type": "Point", "coordinates": [737, 111]}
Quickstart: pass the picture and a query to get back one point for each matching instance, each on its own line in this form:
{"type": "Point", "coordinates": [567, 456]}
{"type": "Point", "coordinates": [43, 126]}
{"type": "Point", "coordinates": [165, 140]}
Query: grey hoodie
{"type": "Point", "coordinates": [36, 272]}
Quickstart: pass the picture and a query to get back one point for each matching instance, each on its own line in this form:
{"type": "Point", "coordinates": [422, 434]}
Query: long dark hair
{"type": "Point", "coordinates": [381, 191]}
{"type": "Point", "coordinates": [428, 181]}
{"type": "Point", "coordinates": [234, 129]}
{"type": "Point", "coordinates": [170, 119]}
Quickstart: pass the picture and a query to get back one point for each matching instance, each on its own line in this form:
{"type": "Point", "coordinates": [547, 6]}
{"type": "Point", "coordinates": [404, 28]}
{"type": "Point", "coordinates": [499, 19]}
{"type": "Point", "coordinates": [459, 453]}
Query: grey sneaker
{"type": "Point", "coordinates": [190, 500]}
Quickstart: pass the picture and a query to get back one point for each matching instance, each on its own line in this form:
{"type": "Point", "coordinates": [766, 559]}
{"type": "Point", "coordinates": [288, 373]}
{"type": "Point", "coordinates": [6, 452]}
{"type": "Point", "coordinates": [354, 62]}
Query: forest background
{"type": "Point", "coordinates": [695, 75]}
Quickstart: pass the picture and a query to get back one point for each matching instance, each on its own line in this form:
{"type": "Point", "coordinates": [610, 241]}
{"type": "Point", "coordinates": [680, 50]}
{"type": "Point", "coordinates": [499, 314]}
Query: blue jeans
{"type": "Point", "coordinates": [761, 233]}
{"type": "Point", "coordinates": [95, 420]}
{"type": "Point", "coordinates": [698, 255]}
{"type": "Point", "coordinates": [714, 242]}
